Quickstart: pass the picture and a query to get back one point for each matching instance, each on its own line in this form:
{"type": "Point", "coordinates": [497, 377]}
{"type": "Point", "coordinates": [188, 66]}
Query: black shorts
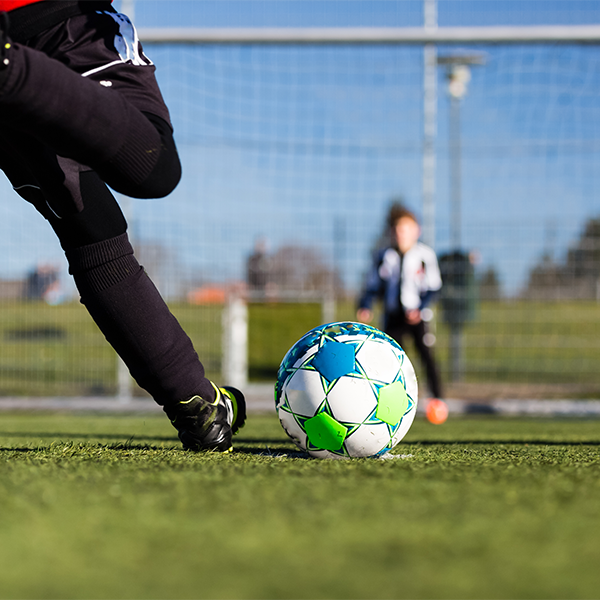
{"type": "Point", "coordinates": [98, 44]}
{"type": "Point", "coordinates": [92, 39]}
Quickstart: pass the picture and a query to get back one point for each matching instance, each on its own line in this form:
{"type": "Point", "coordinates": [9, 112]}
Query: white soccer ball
{"type": "Point", "coordinates": [346, 390]}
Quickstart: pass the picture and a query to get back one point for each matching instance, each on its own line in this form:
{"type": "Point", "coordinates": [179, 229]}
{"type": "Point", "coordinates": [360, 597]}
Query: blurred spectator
{"type": "Point", "coordinates": [258, 267]}
{"type": "Point", "coordinates": [43, 284]}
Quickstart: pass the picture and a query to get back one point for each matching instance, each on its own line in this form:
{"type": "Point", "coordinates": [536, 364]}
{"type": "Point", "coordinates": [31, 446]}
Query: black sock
{"type": "Point", "coordinates": [135, 320]}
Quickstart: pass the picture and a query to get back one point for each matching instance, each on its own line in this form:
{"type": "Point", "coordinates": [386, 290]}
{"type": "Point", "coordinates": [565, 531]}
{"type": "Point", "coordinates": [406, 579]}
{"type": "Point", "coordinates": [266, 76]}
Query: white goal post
{"type": "Point", "coordinates": [373, 35]}
{"type": "Point", "coordinates": [235, 335]}
{"type": "Point", "coordinates": [235, 314]}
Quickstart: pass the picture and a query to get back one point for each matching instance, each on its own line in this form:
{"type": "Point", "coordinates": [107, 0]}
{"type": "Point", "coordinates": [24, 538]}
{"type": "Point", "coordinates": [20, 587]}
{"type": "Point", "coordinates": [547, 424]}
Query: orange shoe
{"type": "Point", "coordinates": [436, 411]}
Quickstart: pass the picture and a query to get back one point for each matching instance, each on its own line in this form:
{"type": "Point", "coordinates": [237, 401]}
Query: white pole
{"type": "Point", "coordinates": [124, 382]}
{"type": "Point", "coordinates": [328, 307]}
{"type": "Point", "coordinates": [429, 124]}
{"type": "Point", "coordinates": [534, 34]}
{"type": "Point", "coordinates": [235, 342]}
{"type": "Point", "coordinates": [128, 8]}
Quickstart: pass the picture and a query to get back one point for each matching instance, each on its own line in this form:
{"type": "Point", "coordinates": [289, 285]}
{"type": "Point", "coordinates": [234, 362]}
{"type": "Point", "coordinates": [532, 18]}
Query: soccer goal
{"type": "Point", "coordinates": [295, 141]}
{"type": "Point", "coordinates": [301, 138]}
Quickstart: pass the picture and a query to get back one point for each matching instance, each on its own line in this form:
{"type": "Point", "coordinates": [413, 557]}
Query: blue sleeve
{"type": "Point", "coordinates": [428, 297]}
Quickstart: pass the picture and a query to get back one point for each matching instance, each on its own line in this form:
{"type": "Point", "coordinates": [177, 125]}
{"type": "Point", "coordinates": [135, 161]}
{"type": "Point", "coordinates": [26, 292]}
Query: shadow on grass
{"type": "Point", "coordinates": [246, 450]}
{"type": "Point", "coordinates": [501, 442]}
{"type": "Point", "coordinates": [256, 447]}
{"type": "Point", "coordinates": [108, 436]}
{"type": "Point", "coordinates": [86, 436]}
{"type": "Point", "coordinates": [272, 452]}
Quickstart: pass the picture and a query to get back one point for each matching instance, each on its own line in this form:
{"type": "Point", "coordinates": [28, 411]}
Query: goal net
{"type": "Point", "coordinates": [292, 154]}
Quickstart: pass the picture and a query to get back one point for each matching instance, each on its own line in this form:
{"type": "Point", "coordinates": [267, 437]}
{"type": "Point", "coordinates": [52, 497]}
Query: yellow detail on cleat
{"type": "Point", "coordinates": [191, 400]}
{"type": "Point", "coordinates": [217, 393]}
{"type": "Point", "coordinates": [201, 398]}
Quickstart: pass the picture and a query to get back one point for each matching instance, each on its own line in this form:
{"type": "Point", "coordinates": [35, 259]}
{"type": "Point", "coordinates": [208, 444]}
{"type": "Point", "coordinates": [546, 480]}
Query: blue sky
{"type": "Point", "coordinates": [355, 13]}
{"type": "Point", "coordinates": [308, 145]}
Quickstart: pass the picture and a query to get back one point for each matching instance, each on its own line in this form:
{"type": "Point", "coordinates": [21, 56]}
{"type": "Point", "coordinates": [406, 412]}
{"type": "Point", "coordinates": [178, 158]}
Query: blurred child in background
{"type": "Point", "coordinates": [405, 275]}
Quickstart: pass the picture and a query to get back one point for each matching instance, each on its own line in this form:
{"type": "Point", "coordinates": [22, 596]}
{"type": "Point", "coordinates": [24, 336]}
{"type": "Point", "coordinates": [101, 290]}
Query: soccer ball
{"type": "Point", "coordinates": [346, 390]}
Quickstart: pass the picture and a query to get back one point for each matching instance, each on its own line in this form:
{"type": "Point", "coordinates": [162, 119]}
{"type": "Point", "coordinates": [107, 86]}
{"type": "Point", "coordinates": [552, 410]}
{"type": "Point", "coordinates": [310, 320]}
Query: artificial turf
{"type": "Point", "coordinates": [96, 506]}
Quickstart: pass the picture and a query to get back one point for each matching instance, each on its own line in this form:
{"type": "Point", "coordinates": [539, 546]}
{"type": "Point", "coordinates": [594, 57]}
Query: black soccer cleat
{"type": "Point", "coordinates": [205, 425]}
{"type": "Point", "coordinates": [5, 42]}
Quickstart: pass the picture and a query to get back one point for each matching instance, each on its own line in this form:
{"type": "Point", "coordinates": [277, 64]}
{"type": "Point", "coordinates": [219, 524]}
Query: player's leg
{"type": "Point", "coordinates": [436, 409]}
{"type": "Point", "coordinates": [120, 296]}
{"type": "Point", "coordinates": [109, 122]}
{"type": "Point", "coordinates": [418, 333]}
{"type": "Point", "coordinates": [99, 117]}
{"type": "Point", "coordinates": [395, 326]}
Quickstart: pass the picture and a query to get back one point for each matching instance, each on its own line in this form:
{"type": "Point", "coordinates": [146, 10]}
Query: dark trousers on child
{"type": "Point", "coordinates": [397, 327]}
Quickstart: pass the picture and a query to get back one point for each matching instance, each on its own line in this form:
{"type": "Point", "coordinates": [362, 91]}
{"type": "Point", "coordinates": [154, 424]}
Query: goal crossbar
{"type": "Point", "coordinates": [372, 35]}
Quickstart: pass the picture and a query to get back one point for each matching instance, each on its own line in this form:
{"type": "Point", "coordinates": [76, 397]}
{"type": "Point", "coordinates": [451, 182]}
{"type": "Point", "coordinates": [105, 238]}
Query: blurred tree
{"type": "Point", "coordinates": [300, 269]}
{"type": "Point", "coordinates": [489, 285]}
{"type": "Point", "coordinates": [577, 278]}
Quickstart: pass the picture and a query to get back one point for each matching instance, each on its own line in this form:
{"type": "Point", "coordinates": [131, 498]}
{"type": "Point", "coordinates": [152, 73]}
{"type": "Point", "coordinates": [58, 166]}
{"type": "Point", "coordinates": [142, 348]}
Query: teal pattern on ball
{"type": "Point", "coordinates": [342, 391]}
{"type": "Point", "coordinates": [321, 335]}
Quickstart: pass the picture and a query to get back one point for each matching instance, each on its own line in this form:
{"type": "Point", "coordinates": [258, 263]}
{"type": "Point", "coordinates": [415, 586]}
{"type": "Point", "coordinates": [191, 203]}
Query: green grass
{"type": "Point", "coordinates": [525, 342]}
{"type": "Point", "coordinates": [58, 351]}
{"type": "Point", "coordinates": [547, 342]}
{"type": "Point", "coordinates": [52, 350]}
{"type": "Point", "coordinates": [107, 507]}
{"type": "Point", "coordinates": [272, 330]}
